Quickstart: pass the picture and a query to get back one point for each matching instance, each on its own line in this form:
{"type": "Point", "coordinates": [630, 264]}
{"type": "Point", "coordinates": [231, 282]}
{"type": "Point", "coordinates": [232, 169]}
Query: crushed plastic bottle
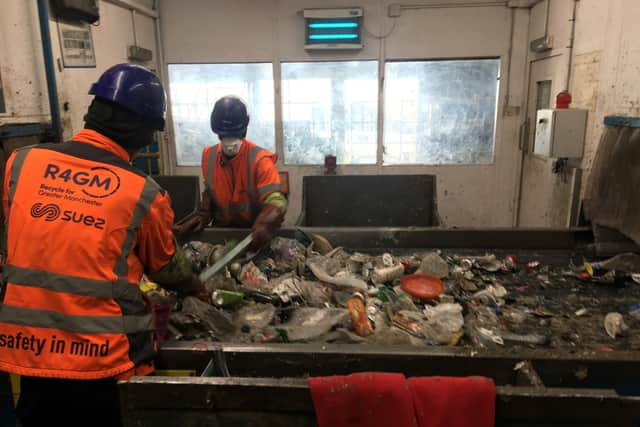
{"type": "Point", "coordinates": [328, 270]}
{"type": "Point", "coordinates": [491, 335]}
{"type": "Point", "coordinates": [387, 274]}
{"type": "Point", "coordinates": [433, 265]}
{"type": "Point", "coordinates": [256, 316]}
{"type": "Point", "coordinates": [444, 321]}
{"type": "Point", "coordinates": [251, 276]}
{"type": "Point", "coordinates": [308, 323]}
{"type": "Point", "coordinates": [287, 253]}
{"type": "Point", "coordinates": [489, 263]}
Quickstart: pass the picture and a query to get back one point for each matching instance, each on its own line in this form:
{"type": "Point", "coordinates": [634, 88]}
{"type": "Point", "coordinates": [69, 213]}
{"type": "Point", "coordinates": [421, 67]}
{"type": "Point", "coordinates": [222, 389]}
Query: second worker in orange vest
{"type": "Point", "coordinates": [242, 184]}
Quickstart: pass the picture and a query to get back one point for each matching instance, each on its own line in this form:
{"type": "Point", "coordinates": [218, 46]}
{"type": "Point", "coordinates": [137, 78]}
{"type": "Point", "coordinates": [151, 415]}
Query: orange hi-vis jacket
{"type": "Point", "coordinates": [81, 227]}
{"type": "Point", "coordinates": [239, 186]}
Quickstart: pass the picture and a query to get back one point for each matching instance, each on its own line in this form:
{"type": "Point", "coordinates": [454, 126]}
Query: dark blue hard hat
{"type": "Point", "coordinates": [229, 117]}
{"type": "Point", "coordinates": [135, 88]}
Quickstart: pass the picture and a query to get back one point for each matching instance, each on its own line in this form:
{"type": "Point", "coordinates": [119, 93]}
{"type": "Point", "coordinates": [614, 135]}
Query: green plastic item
{"type": "Point", "coordinates": [223, 298]}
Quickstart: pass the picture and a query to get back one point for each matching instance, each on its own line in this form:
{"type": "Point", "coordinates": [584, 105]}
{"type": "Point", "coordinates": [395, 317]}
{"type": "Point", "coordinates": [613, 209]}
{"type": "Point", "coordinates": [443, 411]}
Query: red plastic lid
{"type": "Point", "coordinates": [422, 286]}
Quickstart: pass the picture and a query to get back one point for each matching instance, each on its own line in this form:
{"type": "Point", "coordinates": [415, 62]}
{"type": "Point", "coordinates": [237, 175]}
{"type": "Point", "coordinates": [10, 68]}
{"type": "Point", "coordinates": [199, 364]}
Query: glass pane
{"type": "Point", "coordinates": [330, 108]}
{"type": "Point", "coordinates": [440, 112]}
{"type": "Point", "coordinates": [196, 87]}
{"type": "Point", "coordinates": [543, 99]}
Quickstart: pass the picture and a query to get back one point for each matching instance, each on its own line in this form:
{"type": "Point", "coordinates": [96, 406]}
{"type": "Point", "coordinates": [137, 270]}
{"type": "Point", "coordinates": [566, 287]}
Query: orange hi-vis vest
{"type": "Point", "coordinates": [239, 186]}
{"type": "Point", "coordinates": [81, 227]}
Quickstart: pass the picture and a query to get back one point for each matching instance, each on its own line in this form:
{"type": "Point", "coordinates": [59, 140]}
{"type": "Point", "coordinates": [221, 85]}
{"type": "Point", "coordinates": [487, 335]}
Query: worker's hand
{"type": "Point", "coordinates": [200, 220]}
{"type": "Point", "coordinates": [198, 290]}
{"type": "Point", "coordinates": [269, 220]}
{"type": "Point", "coordinates": [195, 224]}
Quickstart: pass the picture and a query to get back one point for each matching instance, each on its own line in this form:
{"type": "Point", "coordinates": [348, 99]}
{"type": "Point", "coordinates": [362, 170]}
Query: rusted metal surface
{"type": "Point", "coordinates": [426, 237]}
{"type": "Point", "coordinates": [586, 369]}
{"type": "Point", "coordinates": [169, 401]}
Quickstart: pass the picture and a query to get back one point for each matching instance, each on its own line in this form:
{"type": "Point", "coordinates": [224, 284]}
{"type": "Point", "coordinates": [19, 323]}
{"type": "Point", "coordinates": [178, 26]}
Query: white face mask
{"type": "Point", "coordinates": [230, 146]}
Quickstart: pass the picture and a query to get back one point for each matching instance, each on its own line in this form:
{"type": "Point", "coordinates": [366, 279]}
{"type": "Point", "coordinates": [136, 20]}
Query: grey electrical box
{"type": "Point", "coordinates": [76, 10]}
{"type": "Point", "coordinates": [541, 44]}
{"type": "Point", "coordinates": [140, 54]}
{"type": "Point", "coordinates": [560, 133]}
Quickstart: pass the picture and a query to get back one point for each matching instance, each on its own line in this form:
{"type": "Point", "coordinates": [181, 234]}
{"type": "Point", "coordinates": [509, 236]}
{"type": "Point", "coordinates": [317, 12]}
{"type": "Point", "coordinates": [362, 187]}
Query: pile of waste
{"type": "Point", "coordinates": [304, 290]}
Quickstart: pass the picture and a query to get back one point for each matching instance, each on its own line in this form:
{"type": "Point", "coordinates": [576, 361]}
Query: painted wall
{"type": "Point", "coordinates": [22, 65]}
{"type": "Point", "coordinates": [606, 62]}
{"type": "Point", "coordinates": [272, 30]}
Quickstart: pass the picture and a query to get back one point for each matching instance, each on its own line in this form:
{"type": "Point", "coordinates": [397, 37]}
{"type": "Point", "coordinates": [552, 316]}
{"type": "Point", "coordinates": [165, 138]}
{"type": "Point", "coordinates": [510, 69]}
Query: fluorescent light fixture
{"type": "Point", "coordinates": [333, 28]}
{"type": "Point", "coordinates": [332, 36]}
{"type": "Point", "coordinates": [331, 25]}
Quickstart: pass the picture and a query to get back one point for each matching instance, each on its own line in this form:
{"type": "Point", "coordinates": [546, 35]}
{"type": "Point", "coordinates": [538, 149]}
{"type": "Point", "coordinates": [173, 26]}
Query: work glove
{"type": "Point", "coordinates": [198, 290]}
{"type": "Point", "coordinates": [200, 220]}
{"type": "Point", "coordinates": [269, 220]}
{"type": "Point", "coordinates": [194, 288]}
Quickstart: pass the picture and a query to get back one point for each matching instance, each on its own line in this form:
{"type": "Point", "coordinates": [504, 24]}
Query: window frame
{"type": "Point", "coordinates": [494, 135]}
{"type": "Point", "coordinates": [281, 106]}
{"type": "Point", "coordinates": [171, 123]}
{"type": "Point", "coordinates": [380, 119]}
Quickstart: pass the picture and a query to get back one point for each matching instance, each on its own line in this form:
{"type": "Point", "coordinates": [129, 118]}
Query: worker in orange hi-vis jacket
{"type": "Point", "coordinates": [82, 226]}
{"type": "Point", "coordinates": [242, 183]}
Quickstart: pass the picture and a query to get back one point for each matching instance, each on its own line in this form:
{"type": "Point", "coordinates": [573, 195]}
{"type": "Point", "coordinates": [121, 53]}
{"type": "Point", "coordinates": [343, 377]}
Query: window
{"type": "Point", "coordinates": [330, 108]}
{"type": "Point", "coordinates": [440, 112]}
{"type": "Point", "coordinates": [196, 87]}
{"type": "Point", "coordinates": [543, 98]}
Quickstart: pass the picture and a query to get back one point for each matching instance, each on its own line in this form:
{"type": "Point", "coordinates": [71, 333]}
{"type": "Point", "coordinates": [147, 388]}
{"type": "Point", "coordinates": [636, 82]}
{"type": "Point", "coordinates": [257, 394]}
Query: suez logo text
{"type": "Point", "coordinates": [98, 182]}
{"type": "Point", "coordinates": [51, 212]}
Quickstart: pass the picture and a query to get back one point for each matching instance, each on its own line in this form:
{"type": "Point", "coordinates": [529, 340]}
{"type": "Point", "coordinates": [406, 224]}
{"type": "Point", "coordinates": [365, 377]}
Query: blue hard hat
{"type": "Point", "coordinates": [135, 88]}
{"type": "Point", "coordinates": [229, 117]}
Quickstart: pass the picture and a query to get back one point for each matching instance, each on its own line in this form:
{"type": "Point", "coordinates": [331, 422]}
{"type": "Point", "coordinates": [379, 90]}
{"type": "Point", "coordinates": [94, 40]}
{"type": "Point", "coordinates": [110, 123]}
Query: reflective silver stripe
{"type": "Point", "coordinates": [269, 188]}
{"type": "Point", "coordinates": [70, 284]}
{"type": "Point", "coordinates": [78, 324]}
{"type": "Point", "coordinates": [239, 208]}
{"type": "Point", "coordinates": [148, 194]}
{"type": "Point", "coordinates": [211, 173]}
{"type": "Point", "coordinates": [251, 184]}
{"type": "Point", "coordinates": [16, 169]}
{"type": "Point", "coordinates": [235, 208]}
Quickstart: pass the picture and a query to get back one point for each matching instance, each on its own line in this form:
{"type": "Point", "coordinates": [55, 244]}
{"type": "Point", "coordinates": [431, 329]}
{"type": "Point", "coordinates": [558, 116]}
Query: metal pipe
{"type": "Point", "coordinates": [547, 9]}
{"type": "Point", "coordinates": [54, 104]}
{"type": "Point", "coordinates": [523, 4]}
{"type": "Point", "coordinates": [451, 5]}
{"type": "Point", "coordinates": [166, 154]}
{"type": "Point", "coordinates": [509, 60]}
{"type": "Point", "coordinates": [133, 24]}
{"type": "Point", "coordinates": [129, 4]}
{"type": "Point", "coordinates": [523, 142]}
{"type": "Point", "coordinates": [570, 47]}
